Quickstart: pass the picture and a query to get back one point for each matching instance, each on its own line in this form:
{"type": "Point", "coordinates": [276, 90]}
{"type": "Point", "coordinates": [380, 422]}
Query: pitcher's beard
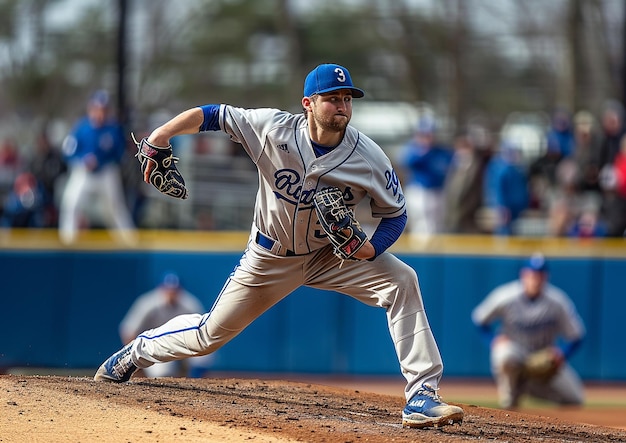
{"type": "Point", "coordinates": [333, 123]}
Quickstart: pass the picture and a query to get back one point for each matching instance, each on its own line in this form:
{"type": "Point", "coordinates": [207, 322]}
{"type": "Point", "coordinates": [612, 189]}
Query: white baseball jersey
{"type": "Point", "coordinates": [289, 174]}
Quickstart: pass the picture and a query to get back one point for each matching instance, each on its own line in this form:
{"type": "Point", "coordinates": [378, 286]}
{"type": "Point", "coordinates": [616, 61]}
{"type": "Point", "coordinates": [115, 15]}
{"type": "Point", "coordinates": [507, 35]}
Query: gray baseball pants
{"type": "Point", "coordinates": [262, 279]}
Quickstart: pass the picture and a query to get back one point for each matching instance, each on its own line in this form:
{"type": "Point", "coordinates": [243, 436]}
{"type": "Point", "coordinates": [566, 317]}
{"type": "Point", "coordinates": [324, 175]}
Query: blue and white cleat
{"type": "Point", "coordinates": [117, 368]}
{"type": "Point", "coordinates": [427, 409]}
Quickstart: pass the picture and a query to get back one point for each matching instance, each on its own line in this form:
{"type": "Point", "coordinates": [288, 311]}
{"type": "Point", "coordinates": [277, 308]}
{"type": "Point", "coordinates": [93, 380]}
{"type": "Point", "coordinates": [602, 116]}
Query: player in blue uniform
{"type": "Point", "coordinates": [94, 150]}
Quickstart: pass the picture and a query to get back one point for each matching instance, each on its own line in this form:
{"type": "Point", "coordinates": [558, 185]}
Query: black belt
{"type": "Point", "coordinates": [268, 243]}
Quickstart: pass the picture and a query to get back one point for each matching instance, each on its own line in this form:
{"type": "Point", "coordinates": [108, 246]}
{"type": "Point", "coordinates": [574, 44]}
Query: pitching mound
{"type": "Point", "coordinates": [60, 409]}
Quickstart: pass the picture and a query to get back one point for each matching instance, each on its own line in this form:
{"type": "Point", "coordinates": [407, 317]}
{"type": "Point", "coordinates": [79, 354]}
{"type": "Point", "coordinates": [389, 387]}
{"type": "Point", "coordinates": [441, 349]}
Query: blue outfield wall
{"type": "Point", "coordinates": [61, 309]}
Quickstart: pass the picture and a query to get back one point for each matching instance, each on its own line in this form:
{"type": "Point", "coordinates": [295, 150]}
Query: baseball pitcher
{"type": "Point", "coordinates": [313, 169]}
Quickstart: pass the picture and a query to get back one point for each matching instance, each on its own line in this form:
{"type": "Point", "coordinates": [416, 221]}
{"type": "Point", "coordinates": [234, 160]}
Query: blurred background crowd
{"type": "Point", "coordinates": [501, 117]}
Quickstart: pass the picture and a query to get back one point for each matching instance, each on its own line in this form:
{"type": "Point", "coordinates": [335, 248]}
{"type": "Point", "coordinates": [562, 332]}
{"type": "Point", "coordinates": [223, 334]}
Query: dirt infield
{"type": "Point", "coordinates": [60, 409]}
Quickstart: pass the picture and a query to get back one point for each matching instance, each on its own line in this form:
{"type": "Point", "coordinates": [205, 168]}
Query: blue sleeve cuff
{"type": "Point", "coordinates": [387, 232]}
{"type": "Point", "coordinates": [568, 348]}
{"type": "Point", "coordinates": [487, 334]}
{"type": "Point", "coordinates": [211, 118]}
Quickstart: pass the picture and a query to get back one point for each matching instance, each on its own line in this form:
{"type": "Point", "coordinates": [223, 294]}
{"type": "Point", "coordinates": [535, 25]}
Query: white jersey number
{"type": "Point", "coordinates": [341, 76]}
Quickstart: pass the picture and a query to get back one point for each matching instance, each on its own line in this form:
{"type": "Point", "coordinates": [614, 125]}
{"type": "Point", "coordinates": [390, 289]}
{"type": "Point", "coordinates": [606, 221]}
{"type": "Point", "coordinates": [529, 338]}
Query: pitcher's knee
{"type": "Point", "coordinates": [407, 279]}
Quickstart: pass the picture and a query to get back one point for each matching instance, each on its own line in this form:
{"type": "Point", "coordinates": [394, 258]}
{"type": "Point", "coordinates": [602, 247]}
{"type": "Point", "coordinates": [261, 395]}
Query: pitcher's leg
{"type": "Point", "coordinates": [195, 334]}
{"type": "Point", "coordinates": [176, 339]}
{"type": "Point", "coordinates": [259, 282]}
{"type": "Point", "coordinates": [416, 347]}
{"type": "Point", "coordinates": [390, 283]}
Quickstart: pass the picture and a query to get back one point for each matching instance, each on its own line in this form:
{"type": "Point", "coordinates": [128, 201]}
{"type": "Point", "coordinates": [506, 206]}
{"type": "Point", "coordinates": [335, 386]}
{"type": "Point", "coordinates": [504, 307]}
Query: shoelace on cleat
{"type": "Point", "coordinates": [431, 392]}
{"type": "Point", "coordinates": [120, 368]}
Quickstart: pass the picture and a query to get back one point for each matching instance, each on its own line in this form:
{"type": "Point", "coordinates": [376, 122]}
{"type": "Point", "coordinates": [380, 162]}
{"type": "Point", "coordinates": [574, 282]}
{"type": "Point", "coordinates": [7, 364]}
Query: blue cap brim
{"type": "Point", "coordinates": [356, 92]}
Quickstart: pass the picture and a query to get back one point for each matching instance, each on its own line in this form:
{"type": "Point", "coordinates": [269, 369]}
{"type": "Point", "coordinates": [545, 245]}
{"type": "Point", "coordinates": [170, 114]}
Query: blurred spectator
{"type": "Point", "coordinates": [613, 181]}
{"type": "Point", "coordinates": [619, 165]}
{"type": "Point", "coordinates": [521, 317]}
{"type": "Point", "coordinates": [571, 212]}
{"type": "Point", "coordinates": [94, 150]}
{"type": "Point", "coordinates": [612, 130]}
{"type": "Point", "coordinates": [506, 188]}
{"type": "Point", "coordinates": [463, 187]}
{"type": "Point", "coordinates": [588, 225]}
{"type": "Point", "coordinates": [10, 165]}
{"type": "Point", "coordinates": [425, 164]}
{"type": "Point", "coordinates": [10, 156]}
{"type": "Point", "coordinates": [168, 300]}
{"type": "Point", "coordinates": [48, 166]}
{"type": "Point", "coordinates": [586, 154]}
{"type": "Point", "coordinates": [542, 175]}
{"type": "Point", "coordinates": [565, 202]}
{"type": "Point", "coordinates": [614, 203]}
{"type": "Point", "coordinates": [24, 207]}
{"type": "Point", "coordinates": [575, 200]}
{"type": "Point", "coordinates": [561, 133]}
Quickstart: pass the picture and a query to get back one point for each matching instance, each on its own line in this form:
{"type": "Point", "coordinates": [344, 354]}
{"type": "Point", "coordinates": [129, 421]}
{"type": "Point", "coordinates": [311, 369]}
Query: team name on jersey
{"type": "Point", "coordinates": [393, 184]}
{"type": "Point", "coordinates": [288, 187]}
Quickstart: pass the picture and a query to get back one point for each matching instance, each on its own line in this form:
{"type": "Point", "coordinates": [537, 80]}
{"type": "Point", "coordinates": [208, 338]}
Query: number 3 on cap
{"type": "Point", "coordinates": [341, 76]}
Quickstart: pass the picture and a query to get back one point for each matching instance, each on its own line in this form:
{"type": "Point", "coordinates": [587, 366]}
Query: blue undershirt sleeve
{"type": "Point", "coordinates": [211, 118]}
{"type": "Point", "coordinates": [387, 232]}
{"type": "Point", "coordinates": [569, 347]}
{"type": "Point", "coordinates": [487, 334]}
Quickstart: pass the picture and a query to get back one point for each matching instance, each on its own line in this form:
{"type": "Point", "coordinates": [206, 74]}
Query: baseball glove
{"type": "Point", "coordinates": [541, 365]}
{"type": "Point", "coordinates": [165, 177]}
{"type": "Point", "coordinates": [343, 230]}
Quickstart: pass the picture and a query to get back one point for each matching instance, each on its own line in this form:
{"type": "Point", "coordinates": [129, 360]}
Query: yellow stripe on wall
{"type": "Point", "coordinates": [511, 246]}
{"type": "Point", "coordinates": [235, 241]}
{"type": "Point", "coordinates": [47, 239]}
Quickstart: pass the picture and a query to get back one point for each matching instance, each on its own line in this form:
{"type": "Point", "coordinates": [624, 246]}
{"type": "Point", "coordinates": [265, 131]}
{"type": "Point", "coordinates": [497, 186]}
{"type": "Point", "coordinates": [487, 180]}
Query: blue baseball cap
{"type": "Point", "coordinates": [100, 98]}
{"type": "Point", "coordinates": [170, 280]}
{"type": "Point", "coordinates": [426, 125]}
{"type": "Point", "coordinates": [537, 263]}
{"type": "Point", "coordinates": [329, 77]}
